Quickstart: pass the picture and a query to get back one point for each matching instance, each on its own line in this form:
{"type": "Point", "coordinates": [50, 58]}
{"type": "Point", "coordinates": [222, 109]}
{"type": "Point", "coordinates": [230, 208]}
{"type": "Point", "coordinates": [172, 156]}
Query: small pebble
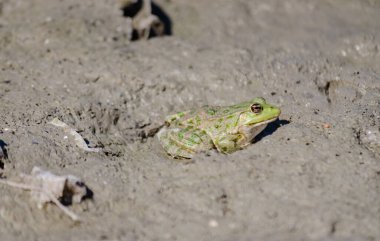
{"type": "Point", "coordinates": [326, 126]}
{"type": "Point", "coordinates": [213, 223]}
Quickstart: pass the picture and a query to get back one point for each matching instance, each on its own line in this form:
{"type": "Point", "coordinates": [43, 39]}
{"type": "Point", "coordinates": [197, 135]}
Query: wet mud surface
{"type": "Point", "coordinates": [312, 175]}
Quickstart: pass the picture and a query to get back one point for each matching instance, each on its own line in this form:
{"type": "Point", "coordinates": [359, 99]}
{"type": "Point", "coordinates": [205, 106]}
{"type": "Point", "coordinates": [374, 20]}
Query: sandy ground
{"type": "Point", "coordinates": [312, 175]}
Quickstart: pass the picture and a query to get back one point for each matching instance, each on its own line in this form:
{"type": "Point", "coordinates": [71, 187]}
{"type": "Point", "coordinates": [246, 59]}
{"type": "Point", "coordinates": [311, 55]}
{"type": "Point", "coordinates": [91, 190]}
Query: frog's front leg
{"type": "Point", "coordinates": [228, 143]}
{"type": "Point", "coordinates": [184, 143]}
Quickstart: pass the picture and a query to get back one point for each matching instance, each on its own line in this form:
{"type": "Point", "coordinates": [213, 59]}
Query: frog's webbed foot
{"type": "Point", "coordinates": [183, 143]}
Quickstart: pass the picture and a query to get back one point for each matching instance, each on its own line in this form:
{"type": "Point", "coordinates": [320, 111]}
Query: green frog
{"type": "Point", "coordinates": [227, 128]}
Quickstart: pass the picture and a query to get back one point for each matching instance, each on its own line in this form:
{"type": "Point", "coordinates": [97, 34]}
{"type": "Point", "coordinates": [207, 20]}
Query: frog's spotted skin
{"type": "Point", "coordinates": [184, 142]}
{"type": "Point", "coordinates": [225, 128]}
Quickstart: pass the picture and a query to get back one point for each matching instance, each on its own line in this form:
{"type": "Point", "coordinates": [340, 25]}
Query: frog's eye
{"type": "Point", "coordinates": [256, 108]}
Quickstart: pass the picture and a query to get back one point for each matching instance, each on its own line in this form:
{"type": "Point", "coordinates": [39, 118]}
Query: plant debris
{"type": "Point", "coordinates": [144, 23]}
{"type": "Point", "coordinates": [78, 139]}
{"type": "Point", "coordinates": [46, 187]}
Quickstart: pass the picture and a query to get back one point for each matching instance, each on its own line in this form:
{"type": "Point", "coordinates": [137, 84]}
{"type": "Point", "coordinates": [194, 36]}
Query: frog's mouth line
{"type": "Point", "coordinates": [264, 122]}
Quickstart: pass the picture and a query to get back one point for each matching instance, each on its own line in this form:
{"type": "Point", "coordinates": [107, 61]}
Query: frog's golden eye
{"type": "Point", "coordinates": [256, 108]}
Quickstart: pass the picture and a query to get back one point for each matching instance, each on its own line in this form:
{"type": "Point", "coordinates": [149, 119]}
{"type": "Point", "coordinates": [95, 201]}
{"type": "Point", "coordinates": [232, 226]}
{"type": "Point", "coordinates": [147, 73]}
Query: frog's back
{"type": "Point", "coordinates": [207, 116]}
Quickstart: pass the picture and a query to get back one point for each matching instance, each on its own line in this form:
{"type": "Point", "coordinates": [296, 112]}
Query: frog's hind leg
{"type": "Point", "coordinates": [184, 143]}
{"type": "Point", "coordinates": [170, 146]}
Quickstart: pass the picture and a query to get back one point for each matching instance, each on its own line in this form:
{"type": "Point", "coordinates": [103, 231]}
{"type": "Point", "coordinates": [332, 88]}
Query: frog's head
{"type": "Point", "coordinates": [256, 116]}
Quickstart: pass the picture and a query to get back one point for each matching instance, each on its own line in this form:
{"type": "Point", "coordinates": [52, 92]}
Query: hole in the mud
{"type": "Point", "coordinates": [149, 132]}
{"type": "Point", "coordinates": [89, 194]}
{"type": "Point", "coordinates": [272, 127]}
{"type": "Point", "coordinates": [131, 10]}
{"type": "Point", "coordinates": [87, 141]}
{"type": "Point", "coordinates": [67, 197]}
{"type": "Point", "coordinates": [325, 89]}
{"type": "Point", "coordinates": [165, 19]}
{"type": "Point", "coordinates": [113, 153]}
{"type": "Point", "coordinates": [333, 227]}
{"type": "Point", "coordinates": [3, 153]}
{"type": "Point", "coordinates": [135, 10]}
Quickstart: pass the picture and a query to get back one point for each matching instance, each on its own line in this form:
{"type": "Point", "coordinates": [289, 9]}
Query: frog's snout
{"type": "Point", "coordinates": [275, 111]}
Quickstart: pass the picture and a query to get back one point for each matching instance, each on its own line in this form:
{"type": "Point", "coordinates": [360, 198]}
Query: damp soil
{"type": "Point", "coordinates": [312, 175]}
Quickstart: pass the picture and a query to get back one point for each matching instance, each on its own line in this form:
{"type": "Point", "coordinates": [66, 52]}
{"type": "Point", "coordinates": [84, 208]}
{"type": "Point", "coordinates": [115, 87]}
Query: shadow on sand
{"type": "Point", "coordinates": [272, 127]}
